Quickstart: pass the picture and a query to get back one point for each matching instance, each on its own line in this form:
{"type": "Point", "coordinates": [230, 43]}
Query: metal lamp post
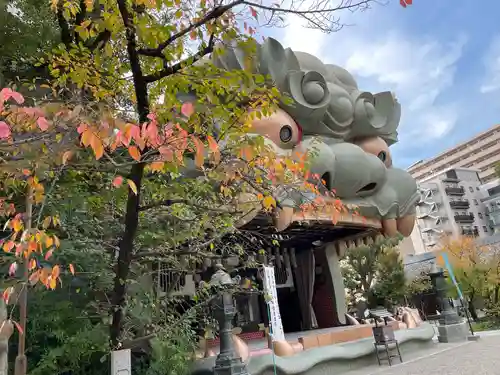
{"type": "Point", "coordinates": [438, 280]}
{"type": "Point", "coordinates": [227, 362]}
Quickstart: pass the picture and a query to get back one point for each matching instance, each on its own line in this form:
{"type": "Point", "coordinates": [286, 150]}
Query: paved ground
{"type": "Point", "coordinates": [470, 358]}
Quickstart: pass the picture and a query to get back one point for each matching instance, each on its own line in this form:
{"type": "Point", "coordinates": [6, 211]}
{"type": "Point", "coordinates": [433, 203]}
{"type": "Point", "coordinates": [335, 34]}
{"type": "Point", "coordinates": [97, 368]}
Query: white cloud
{"type": "Point", "coordinates": [492, 63]}
{"type": "Point", "coordinates": [383, 58]}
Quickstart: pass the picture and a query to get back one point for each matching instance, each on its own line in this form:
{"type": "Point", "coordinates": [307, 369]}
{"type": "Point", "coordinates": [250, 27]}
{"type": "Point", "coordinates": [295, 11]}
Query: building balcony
{"type": "Point", "coordinates": [451, 179]}
{"type": "Point", "coordinates": [461, 204]}
{"type": "Point", "coordinates": [465, 218]}
{"type": "Point", "coordinates": [470, 232]}
{"type": "Point", "coordinates": [454, 190]}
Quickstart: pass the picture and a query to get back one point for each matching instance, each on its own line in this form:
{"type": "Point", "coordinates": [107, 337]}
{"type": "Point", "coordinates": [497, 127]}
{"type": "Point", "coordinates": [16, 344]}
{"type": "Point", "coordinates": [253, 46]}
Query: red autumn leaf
{"type": "Point", "coordinates": [17, 97]}
{"type": "Point", "coordinates": [6, 94]}
{"type": "Point", "coordinates": [187, 109]}
{"type": "Point", "coordinates": [118, 181]}
{"type": "Point", "coordinates": [81, 128]}
{"type": "Point", "coordinates": [6, 294]}
{"type": "Point", "coordinates": [403, 3]}
{"type": "Point", "coordinates": [253, 12]}
{"type": "Point", "coordinates": [199, 152]}
{"type": "Point", "coordinates": [18, 326]}
{"type": "Point", "coordinates": [4, 130]}
{"type": "Point", "coordinates": [193, 35]}
{"type": "Point", "coordinates": [71, 269]}
{"type": "Point", "coordinates": [42, 123]}
{"type": "Point", "coordinates": [214, 147]}
{"type": "Point", "coordinates": [409, 2]}
{"type": "Point", "coordinates": [13, 269]}
{"type": "Point", "coordinates": [48, 254]}
{"type": "Point", "coordinates": [135, 153]}
{"type": "Point", "coordinates": [167, 153]}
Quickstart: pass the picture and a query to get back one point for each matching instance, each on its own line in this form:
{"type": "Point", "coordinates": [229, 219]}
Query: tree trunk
{"type": "Point", "coordinates": [136, 174]}
{"type": "Point", "coordinates": [496, 294]}
{"type": "Point", "coordinates": [125, 256]}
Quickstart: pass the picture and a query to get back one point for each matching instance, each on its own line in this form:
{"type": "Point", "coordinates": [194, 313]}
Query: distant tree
{"type": "Point", "coordinates": [473, 266]}
{"type": "Point", "coordinates": [375, 272]}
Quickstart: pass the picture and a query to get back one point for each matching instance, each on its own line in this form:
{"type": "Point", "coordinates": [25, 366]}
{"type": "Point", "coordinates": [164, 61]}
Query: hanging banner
{"type": "Point", "coordinates": [452, 275]}
{"type": "Point", "coordinates": [271, 295]}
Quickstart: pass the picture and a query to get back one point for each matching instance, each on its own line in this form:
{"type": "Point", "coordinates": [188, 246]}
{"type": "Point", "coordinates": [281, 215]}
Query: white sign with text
{"type": "Point", "coordinates": [272, 302]}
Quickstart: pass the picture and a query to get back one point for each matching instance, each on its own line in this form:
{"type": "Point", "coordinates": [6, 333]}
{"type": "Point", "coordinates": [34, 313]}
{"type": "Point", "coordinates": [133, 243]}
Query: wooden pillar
{"type": "Point", "coordinates": [333, 259]}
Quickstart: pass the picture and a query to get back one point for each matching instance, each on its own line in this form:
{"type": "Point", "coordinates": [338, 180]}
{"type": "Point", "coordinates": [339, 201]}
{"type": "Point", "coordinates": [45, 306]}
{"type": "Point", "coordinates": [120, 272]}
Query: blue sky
{"type": "Point", "coordinates": [440, 57]}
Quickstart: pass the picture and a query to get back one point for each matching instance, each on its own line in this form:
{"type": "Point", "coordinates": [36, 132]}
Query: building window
{"type": "Point", "coordinates": [480, 215]}
{"type": "Point", "coordinates": [477, 188]}
{"type": "Point", "coordinates": [471, 189]}
{"type": "Point", "coordinates": [485, 230]}
{"type": "Point", "coordinates": [475, 202]}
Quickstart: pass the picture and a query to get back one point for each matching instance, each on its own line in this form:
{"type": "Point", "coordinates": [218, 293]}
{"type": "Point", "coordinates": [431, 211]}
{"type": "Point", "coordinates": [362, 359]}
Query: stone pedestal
{"type": "Point", "coordinates": [453, 332]}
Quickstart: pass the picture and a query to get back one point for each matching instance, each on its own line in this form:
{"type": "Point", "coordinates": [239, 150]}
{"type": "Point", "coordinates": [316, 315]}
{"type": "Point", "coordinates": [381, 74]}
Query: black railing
{"type": "Point", "coordinates": [460, 204]}
{"type": "Point", "coordinates": [465, 218]}
{"type": "Point", "coordinates": [459, 190]}
{"type": "Point", "coordinates": [470, 232]}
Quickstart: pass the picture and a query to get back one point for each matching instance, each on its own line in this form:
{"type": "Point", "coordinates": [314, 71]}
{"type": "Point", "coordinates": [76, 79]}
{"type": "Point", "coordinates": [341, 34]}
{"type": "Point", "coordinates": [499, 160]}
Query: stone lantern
{"type": "Point", "coordinates": [227, 362]}
{"type": "Point", "coordinates": [451, 327]}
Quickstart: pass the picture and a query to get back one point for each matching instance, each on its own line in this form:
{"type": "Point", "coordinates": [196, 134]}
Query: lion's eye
{"type": "Point", "coordinates": [382, 155]}
{"type": "Point", "coordinates": [286, 133]}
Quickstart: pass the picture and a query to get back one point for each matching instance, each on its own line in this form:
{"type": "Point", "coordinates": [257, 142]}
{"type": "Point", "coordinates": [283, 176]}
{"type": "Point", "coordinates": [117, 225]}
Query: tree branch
{"type": "Point", "coordinates": [169, 70]}
{"type": "Point", "coordinates": [212, 15]}
{"type": "Point", "coordinates": [349, 5]}
{"type": "Point", "coordinates": [66, 37]}
{"type": "Point", "coordinates": [171, 202]}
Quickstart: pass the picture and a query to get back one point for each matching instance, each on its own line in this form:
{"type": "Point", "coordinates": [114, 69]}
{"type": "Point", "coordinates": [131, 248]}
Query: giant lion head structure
{"type": "Point", "coordinates": [350, 129]}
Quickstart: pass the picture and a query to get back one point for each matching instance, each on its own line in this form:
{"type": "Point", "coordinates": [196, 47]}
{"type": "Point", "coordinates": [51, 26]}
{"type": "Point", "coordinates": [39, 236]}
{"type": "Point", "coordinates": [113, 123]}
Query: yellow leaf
{"type": "Point", "coordinates": [17, 225]}
{"type": "Point", "coordinates": [135, 153]}
{"type": "Point", "coordinates": [52, 283]}
{"type": "Point", "coordinates": [132, 186]}
{"type": "Point", "coordinates": [157, 166]}
{"type": "Point", "coordinates": [56, 271]}
{"type": "Point", "coordinates": [87, 136]}
{"type": "Point", "coordinates": [71, 269]}
{"type": "Point", "coordinates": [97, 147]}
{"type": "Point", "coordinates": [56, 241]}
{"type": "Point", "coordinates": [66, 156]}
{"type": "Point", "coordinates": [8, 246]}
{"type": "Point", "coordinates": [46, 222]}
{"type": "Point", "coordinates": [269, 202]}
{"type": "Point", "coordinates": [49, 242]}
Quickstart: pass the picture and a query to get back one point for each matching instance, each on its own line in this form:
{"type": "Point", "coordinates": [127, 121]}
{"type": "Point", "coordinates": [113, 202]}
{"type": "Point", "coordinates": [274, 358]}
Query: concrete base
{"type": "Point", "coordinates": [335, 359]}
{"type": "Point", "coordinates": [453, 332]}
{"type": "Point", "coordinates": [474, 337]}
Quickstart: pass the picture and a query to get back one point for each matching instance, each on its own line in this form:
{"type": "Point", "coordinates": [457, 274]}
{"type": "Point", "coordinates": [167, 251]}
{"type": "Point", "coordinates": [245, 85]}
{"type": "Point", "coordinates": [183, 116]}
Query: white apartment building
{"type": "Point", "coordinates": [491, 201]}
{"type": "Point", "coordinates": [450, 206]}
{"type": "Point", "coordinates": [481, 152]}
